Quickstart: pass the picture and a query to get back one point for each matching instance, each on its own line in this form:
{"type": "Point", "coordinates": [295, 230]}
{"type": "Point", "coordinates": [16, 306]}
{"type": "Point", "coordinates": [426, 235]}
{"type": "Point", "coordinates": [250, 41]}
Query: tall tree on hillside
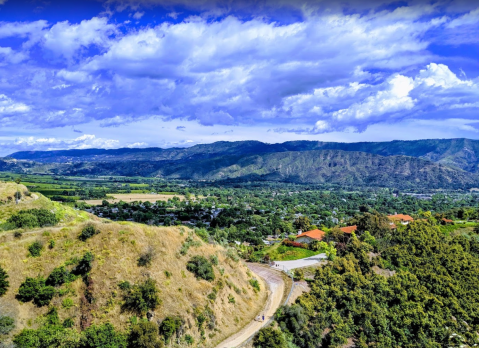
{"type": "Point", "coordinates": [302, 223]}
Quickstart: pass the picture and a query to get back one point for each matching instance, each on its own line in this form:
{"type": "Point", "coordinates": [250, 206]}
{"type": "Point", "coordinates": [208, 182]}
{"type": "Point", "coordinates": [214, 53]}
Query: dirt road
{"type": "Point", "coordinates": [276, 285]}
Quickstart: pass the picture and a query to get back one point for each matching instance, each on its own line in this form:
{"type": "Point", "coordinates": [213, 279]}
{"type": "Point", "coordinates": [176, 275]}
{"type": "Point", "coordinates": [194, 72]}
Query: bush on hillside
{"type": "Point", "coordinates": [84, 265]}
{"type": "Point", "coordinates": [146, 258]}
{"type": "Point", "coordinates": [201, 268]}
{"type": "Point", "coordinates": [269, 338]}
{"type": "Point", "coordinates": [171, 326]}
{"type": "Point", "coordinates": [144, 335]}
{"type": "Point", "coordinates": [60, 275]}
{"type": "Point", "coordinates": [31, 218]}
{"type": "Point", "coordinates": [87, 232]}
{"type": "Point", "coordinates": [141, 298]}
{"type": "Point", "coordinates": [102, 336]}
{"type": "Point", "coordinates": [290, 243]}
{"type": "Point", "coordinates": [35, 248]}
{"type": "Point", "coordinates": [35, 289]}
{"type": "Point", "coordinates": [7, 324]}
{"type": "Point", "coordinates": [4, 283]}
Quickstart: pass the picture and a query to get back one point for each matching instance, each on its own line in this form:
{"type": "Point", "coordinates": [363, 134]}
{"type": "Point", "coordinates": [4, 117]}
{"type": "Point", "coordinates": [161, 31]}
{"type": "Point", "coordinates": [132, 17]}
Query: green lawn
{"type": "Point", "coordinates": [280, 252]}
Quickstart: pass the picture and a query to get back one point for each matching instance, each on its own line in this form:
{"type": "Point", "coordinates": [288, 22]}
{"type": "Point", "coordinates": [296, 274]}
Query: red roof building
{"type": "Point", "coordinates": [310, 236]}
{"type": "Point", "coordinates": [402, 218]}
{"type": "Point", "coordinates": [349, 229]}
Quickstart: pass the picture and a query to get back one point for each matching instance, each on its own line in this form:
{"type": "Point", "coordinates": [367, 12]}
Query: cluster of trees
{"type": "Point", "coordinates": [429, 298]}
{"type": "Point", "coordinates": [31, 218]}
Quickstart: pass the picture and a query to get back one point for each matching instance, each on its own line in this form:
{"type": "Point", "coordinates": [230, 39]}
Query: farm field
{"type": "Point", "coordinates": [131, 197]}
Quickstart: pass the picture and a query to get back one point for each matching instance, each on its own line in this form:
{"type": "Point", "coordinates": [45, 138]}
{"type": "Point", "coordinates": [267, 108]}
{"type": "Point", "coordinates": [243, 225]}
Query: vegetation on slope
{"type": "Point", "coordinates": [429, 298]}
{"type": "Point", "coordinates": [77, 290]}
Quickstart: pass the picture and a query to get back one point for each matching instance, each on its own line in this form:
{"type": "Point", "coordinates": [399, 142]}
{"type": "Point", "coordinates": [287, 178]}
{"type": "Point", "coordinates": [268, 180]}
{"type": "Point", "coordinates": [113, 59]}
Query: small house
{"type": "Point", "coordinates": [310, 236]}
{"type": "Point", "coordinates": [401, 218]}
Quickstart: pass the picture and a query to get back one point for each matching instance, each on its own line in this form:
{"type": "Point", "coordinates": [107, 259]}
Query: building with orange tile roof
{"type": "Point", "coordinates": [310, 236]}
{"type": "Point", "coordinates": [402, 218]}
{"type": "Point", "coordinates": [349, 229]}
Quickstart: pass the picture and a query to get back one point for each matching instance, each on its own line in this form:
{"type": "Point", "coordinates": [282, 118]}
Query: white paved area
{"type": "Point", "coordinates": [308, 261]}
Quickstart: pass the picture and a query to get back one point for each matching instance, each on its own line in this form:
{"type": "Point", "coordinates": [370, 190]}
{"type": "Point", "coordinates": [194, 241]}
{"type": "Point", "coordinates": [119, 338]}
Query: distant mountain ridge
{"type": "Point", "coordinates": [459, 153]}
{"type": "Point", "coordinates": [445, 163]}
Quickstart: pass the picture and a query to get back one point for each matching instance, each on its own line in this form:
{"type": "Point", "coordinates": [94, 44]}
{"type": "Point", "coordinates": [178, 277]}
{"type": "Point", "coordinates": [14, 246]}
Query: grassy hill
{"type": "Point", "coordinates": [222, 305]}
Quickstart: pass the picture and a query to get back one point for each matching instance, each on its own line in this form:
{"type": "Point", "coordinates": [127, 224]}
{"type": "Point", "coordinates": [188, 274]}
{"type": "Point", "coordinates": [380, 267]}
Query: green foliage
{"type": "Point", "coordinates": [429, 301]}
{"type": "Point", "coordinates": [189, 242]}
{"type": "Point", "coordinates": [189, 339]}
{"type": "Point", "coordinates": [35, 248]}
{"type": "Point", "coordinates": [141, 298]}
{"type": "Point", "coordinates": [67, 303]}
{"type": "Point", "coordinates": [4, 283]}
{"type": "Point", "coordinates": [34, 289]}
{"type": "Point", "coordinates": [102, 336]}
{"type": "Point", "coordinates": [201, 268]}
{"type": "Point", "coordinates": [144, 335]}
{"type": "Point", "coordinates": [60, 275]}
{"type": "Point", "coordinates": [255, 284]}
{"type": "Point", "coordinates": [214, 260]}
{"type": "Point", "coordinates": [7, 324]}
{"type": "Point", "coordinates": [51, 244]}
{"type": "Point", "coordinates": [231, 299]}
{"type": "Point", "coordinates": [171, 326]}
{"type": "Point", "coordinates": [68, 322]}
{"type": "Point", "coordinates": [269, 338]}
{"type": "Point", "coordinates": [124, 285]}
{"type": "Point", "coordinates": [32, 218]}
{"type": "Point", "coordinates": [87, 232]}
{"type": "Point", "coordinates": [84, 265]}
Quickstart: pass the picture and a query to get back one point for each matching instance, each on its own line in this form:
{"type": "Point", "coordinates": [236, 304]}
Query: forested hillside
{"type": "Point", "coordinates": [415, 287]}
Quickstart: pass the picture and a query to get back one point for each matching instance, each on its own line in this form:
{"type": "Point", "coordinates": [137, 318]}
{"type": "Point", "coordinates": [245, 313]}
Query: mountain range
{"type": "Point", "coordinates": [434, 163]}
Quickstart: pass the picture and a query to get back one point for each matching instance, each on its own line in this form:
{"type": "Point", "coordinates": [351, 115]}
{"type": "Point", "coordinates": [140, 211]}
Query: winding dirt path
{"type": "Point", "coordinates": [276, 285]}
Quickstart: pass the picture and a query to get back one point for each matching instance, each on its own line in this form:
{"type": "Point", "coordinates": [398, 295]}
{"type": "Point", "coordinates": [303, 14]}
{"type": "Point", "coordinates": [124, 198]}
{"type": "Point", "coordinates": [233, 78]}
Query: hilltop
{"type": "Point", "coordinates": [206, 310]}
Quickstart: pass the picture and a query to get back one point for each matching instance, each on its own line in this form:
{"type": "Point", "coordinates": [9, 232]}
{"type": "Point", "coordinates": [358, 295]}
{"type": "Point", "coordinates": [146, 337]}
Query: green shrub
{"type": "Point", "coordinates": [232, 254]}
{"type": "Point", "coordinates": [4, 283]}
{"type": "Point", "coordinates": [33, 218]}
{"type": "Point", "coordinates": [87, 232]}
{"type": "Point", "coordinates": [17, 234]}
{"type": "Point", "coordinates": [144, 335]}
{"type": "Point", "coordinates": [67, 303]}
{"type": "Point", "coordinates": [68, 322]}
{"type": "Point", "coordinates": [231, 299]}
{"type": "Point", "coordinates": [124, 285]}
{"type": "Point", "coordinates": [189, 339]}
{"type": "Point", "coordinates": [59, 276]}
{"type": "Point", "coordinates": [168, 274]}
{"type": "Point", "coordinates": [255, 284]}
{"type": "Point", "coordinates": [141, 298]}
{"type": "Point", "coordinates": [201, 268]}
{"type": "Point", "coordinates": [84, 265]}
{"type": "Point", "coordinates": [169, 327]}
{"type": "Point", "coordinates": [35, 248]}
{"type": "Point", "coordinates": [52, 317]}
{"type": "Point", "coordinates": [34, 289]}
{"type": "Point", "coordinates": [214, 260]}
{"type": "Point", "coordinates": [269, 338]}
{"type": "Point", "coordinates": [102, 336]}
{"type": "Point", "coordinates": [7, 324]}
{"type": "Point", "coordinates": [51, 244]}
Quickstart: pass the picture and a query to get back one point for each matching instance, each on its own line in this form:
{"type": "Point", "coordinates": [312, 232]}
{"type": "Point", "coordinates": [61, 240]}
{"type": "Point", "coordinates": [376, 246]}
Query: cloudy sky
{"type": "Point", "coordinates": [140, 73]}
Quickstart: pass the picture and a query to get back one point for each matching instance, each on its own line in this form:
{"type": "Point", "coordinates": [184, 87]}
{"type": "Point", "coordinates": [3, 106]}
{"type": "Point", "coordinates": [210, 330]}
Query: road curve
{"type": "Point", "coordinates": [276, 285]}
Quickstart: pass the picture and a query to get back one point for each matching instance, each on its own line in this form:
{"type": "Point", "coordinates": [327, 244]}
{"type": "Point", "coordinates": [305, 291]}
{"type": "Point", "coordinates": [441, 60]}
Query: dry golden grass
{"type": "Point", "coordinates": [116, 251]}
{"type": "Point", "coordinates": [131, 197]}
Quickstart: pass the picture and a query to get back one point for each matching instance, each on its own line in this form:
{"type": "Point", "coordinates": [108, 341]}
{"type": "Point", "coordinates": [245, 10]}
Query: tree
{"type": "Point", "coordinates": [269, 338]}
{"type": "Point", "coordinates": [102, 336]}
{"type": "Point", "coordinates": [4, 283]}
{"type": "Point", "coordinates": [170, 326]}
{"type": "Point", "coordinates": [201, 268]}
{"type": "Point", "coordinates": [302, 223]}
{"type": "Point", "coordinates": [141, 298]}
{"type": "Point", "coordinates": [144, 335]}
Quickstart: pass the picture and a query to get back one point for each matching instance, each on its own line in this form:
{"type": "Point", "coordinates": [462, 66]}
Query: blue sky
{"type": "Point", "coordinates": [140, 73]}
